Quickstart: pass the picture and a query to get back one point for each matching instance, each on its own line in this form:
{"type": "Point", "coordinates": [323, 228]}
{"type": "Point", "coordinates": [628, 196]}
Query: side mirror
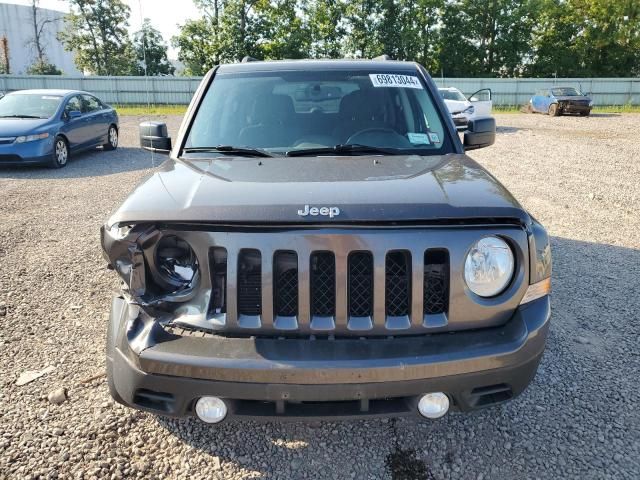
{"type": "Point", "coordinates": [73, 114]}
{"type": "Point", "coordinates": [155, 137]}
{"type": "Point", "coordinates": [481, 132]}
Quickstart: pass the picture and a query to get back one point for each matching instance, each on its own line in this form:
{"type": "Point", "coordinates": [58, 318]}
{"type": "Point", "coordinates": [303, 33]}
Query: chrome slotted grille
{"type": "Point", "coordinates": [343, 282]}
{"type": "Point", "coordinates": [324, 292]}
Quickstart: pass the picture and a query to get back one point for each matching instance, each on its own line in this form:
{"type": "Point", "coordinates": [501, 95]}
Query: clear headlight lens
{"type": "Point", "coordinates": [176, 262]}
{"type": "Point", "coordinates": [32, 138]}
{"type": "Point", "coordinates": [489, 267]}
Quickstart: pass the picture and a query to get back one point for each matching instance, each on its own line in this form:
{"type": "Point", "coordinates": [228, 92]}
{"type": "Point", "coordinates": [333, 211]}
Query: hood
{"type": "Point", "coordinates": [456, 106]}
{"type": "Point", "coordinates": [364, 188]}
{"type": "Point", "coordinates": [14, 127]}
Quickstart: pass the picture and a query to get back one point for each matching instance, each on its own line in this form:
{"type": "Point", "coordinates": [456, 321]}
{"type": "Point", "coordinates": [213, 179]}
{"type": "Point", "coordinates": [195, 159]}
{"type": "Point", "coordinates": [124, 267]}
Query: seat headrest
{"type": "Point", "coordinates": [269, 108]}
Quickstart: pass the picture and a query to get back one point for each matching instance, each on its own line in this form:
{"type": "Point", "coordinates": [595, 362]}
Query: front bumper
{"type": "Point", "coordinates": [30, 153]}
{"type": "Point", "coordinates": [153, 370]}
{"type": "Point", "coordinates": [461, 120]}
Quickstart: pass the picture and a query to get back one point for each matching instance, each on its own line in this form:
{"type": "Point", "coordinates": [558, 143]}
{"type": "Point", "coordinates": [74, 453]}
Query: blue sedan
{"type": "Point", "coordinates": [560, 100]}
{"type": "Point", "coordinates": [47, 126]}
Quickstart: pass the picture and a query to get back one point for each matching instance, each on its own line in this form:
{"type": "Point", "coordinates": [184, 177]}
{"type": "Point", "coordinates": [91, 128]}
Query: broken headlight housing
{"type": "Point", "coordinates": [176, 264]}
{"type": "Point", "coordinates": [158, 267]}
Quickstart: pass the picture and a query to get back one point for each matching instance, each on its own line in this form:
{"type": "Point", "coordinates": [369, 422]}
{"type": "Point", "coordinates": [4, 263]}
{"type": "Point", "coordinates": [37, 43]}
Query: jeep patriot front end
{"type": "Point", "coordinates": [319, 245]}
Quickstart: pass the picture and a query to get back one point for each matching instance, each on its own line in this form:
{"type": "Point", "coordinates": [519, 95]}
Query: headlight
{"type": "Point", "coordinates": [591, 103]}
{"type": "Point", "coordinates": [489, 267]}
{"type": "Point", "coordinates": [469, 110]}
{"type": "Point", "coordinates": [176, 262]}
{"type": "Point", "coordinates": [32, 138]}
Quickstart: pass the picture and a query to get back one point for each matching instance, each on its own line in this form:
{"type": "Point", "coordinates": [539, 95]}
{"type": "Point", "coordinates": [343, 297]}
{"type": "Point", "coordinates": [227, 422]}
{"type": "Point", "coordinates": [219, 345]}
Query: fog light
{"type": "Point", "coordinates": [433, 405]}
{"type": "Point", "coordinates": [211, 409]}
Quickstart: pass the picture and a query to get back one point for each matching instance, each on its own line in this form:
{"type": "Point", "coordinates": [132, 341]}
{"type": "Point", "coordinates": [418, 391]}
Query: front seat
{"type": "Point", "coordinates": [360, 110]}
{"type": "Point", "coordinates": [273, 120]}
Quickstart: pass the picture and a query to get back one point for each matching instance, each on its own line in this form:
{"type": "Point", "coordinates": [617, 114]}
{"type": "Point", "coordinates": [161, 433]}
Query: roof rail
{"type": "Point", "coordinates": [384, 56]}
{"type": "Point", "coordinates": [248, 59]}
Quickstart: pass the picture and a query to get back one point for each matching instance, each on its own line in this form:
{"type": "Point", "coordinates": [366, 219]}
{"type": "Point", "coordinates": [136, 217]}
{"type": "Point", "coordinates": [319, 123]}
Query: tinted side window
{"type": "Point", "coordinates": [73, 105]}
{"type": "Point", "coordinates": [91, 104]}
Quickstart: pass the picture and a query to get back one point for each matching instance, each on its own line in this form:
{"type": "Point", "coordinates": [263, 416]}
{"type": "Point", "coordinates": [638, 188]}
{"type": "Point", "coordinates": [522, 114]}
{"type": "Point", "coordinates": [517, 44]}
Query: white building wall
{"type": "Point", "coordinates": [17, 25]}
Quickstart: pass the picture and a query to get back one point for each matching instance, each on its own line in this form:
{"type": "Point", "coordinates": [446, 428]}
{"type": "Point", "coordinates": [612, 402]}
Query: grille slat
{"type": "Point", "coordinates": [249, 282]}
{"type": "Point", "coordinates": [285, 281]}
{"type": "Point", "coordinates": [323, 284]}
{"type": "Point", "coordinates": [218, 269]}
{"type": "Point", "coordinates": [360, 284]}
{"type": "Point", "coordinates": [397, 284]}
{"type": "Point", "coordinates": [436, 282]}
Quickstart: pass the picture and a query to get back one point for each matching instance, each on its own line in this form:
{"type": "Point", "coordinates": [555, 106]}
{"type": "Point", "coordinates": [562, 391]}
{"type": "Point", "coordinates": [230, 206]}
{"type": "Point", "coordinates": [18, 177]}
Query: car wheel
{"type": "Point", "coordinates": [554, 111]}
{"type": "Point", "coordinates": [112, 138]}
{"type": "Point", "coordinates": [585, 114]}
{"type": "Point", "coordinates": [60, 153]}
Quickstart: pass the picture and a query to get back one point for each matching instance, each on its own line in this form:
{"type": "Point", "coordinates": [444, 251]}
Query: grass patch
{"type": "Point", "coordinates": [596, 109]}
{"type": "Point", "coordinates": [150, 109]}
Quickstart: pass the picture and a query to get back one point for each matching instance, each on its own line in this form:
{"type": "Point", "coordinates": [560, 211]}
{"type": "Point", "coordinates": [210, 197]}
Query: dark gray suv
{"type": "Point", "coordinates": [319, 245]}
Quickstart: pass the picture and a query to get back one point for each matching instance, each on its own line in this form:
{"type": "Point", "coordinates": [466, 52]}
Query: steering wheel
{"type": "Point", "coordinates": [395, 138]}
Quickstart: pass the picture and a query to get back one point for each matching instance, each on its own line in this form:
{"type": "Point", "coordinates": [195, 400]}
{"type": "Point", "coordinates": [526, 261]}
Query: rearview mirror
{"type": "Point", "coordinates": [481, 132]}
{"type": "Point", "coordinates": [155, 137]}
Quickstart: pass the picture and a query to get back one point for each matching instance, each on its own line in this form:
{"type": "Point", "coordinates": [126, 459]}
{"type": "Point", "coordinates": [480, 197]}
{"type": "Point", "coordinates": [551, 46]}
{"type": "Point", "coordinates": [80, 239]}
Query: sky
{"type": "Point", "coordinates": [165, 15]}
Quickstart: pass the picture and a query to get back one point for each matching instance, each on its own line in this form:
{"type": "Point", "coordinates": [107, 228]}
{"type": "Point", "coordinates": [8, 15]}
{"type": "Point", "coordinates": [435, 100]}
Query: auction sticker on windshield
{"type": "Point", "coordinates": [392, 80]}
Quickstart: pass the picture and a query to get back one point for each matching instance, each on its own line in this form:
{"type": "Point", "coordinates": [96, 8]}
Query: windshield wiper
{"type": "Point", "coordinates": [19, 116]}
{"type": "Point", "coordinates": [343, 149]}
{"type": "Point", "coordinates": [230, 150]}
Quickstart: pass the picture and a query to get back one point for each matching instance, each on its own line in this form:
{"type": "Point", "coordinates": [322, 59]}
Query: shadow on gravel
{"type": "Point", "coordinates": [93, 163]}
{"type": "Point", "coordinates": [501, 129]}
{"type": "Point", "coordinates": [577, 419]}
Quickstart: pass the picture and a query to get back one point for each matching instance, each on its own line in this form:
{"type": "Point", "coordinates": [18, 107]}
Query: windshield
{"type": "Point", "coordinates": [566, 92]}
{"type": "Point", "coordinates": [29, 105]}
{"type": "Point", "coordinates": [452, 95]}
{"type": "Point", "coordinates": [291, 111]}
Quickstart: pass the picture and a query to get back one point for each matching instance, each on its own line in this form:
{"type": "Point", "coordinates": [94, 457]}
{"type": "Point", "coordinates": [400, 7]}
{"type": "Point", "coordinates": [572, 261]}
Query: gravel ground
{"type": "Point", "coordinates": [579, 419]}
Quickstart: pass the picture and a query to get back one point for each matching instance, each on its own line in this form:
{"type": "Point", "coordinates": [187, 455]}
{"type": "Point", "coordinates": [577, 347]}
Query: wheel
{"type": "Point", "coordinates": [554, 111]}
{"type": "Point", "coordinates": [112, 138]}
{"type": "Point", "coordinates": [585, 114]}
{"type": "Point", "coordinates": [60, 153]}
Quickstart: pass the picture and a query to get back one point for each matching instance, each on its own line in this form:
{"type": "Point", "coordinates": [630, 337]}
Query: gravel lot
{"type": "Point", "coordinates": [579, 176]}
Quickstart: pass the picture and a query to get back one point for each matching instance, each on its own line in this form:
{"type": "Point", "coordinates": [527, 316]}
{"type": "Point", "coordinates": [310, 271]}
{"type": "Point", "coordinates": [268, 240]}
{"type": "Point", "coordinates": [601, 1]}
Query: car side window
{"type": "Point", "coordinates": [91, 104]}
{"type": "Point", "coordinates": [73, 105]}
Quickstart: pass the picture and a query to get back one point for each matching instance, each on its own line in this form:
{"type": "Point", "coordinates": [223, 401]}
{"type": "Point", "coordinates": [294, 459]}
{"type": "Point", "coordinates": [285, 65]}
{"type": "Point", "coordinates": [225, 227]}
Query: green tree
{"type": "Point", "coordinates": [43, 68]}
{"type": "Point", "coordinates": [282, 31]}
{"type": "Point", "coordinates": [151, 51]}
{"type": "Point", "coordinates": [97, 34]}
{"type": "Point", "coordinates": [326, 28]}
{"type": "Point", "coordinates": [486, 38]}
{"type": "Point", "coordinates": [363, 19]}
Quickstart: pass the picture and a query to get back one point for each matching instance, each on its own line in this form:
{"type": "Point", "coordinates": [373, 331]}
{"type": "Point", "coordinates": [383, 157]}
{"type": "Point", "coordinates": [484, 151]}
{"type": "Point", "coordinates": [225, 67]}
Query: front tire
{"type": "Point", "coordinates": [112, 138]}
{"type": "Point", "coordinates": [60, 154]}
{"type": "Point", "coordinates": [554, 110]}
{"type": "Point", "coordinates": [585, 114]}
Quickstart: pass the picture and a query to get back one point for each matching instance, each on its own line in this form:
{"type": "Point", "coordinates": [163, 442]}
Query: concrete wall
{"type": "Point", "coordinates": [17, 25]}
{"type": "Point", "coordinates": [179, 90]}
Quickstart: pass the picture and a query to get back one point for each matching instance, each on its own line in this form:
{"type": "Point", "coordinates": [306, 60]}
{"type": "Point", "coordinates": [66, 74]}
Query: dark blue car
{"type": "Point", "coordinates": [47, 126]}
{"type": "Point", "coordinates": [560, 100]}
